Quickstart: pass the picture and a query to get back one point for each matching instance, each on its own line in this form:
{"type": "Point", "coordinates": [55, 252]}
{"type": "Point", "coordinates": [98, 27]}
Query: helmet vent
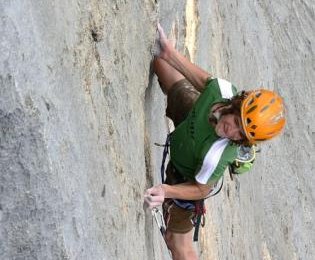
{"type": "Point", "coordinates": [272, 101]}
{"type": "Point", "coordinates": [277, 118]}
{"type": "Point", "coordinates": [258, 94]}
{"type": "Point", "coordinates": [264, 108]}
{"type": "Point", "coordinates": [251, 109]}
{"type": "Point", "coordinates": [251, 102]}
{"type": "Point", "coordinates": [253, 127]}
{"type": "Point", "coordinates": [248, 121]}
{"type": "Point", "coordinates": [252, 134]}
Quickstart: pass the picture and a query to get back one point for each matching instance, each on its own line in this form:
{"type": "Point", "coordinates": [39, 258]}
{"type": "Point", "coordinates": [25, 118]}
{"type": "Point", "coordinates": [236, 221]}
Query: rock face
{"type": "Point", "coordinates": [269, 213]}
{"type": "Point", "coordinates": [80, 112]}
{"type": "Point", "coordinates": [72, 114]}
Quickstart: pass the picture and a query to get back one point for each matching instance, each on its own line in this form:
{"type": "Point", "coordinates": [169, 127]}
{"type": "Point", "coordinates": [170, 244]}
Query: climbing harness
{"type": "Point", "coordinates": [197, 206]}
{"type": "Point", "coordinates": [199, 218]}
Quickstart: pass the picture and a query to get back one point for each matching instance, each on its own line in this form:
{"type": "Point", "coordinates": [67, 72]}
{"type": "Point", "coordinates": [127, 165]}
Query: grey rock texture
{"type": "Point", "coordinates": [73, 80]}
{"type": "Point", "coordinates": [268, 214]}
{"type": "Point", "coordinates": [80, 112]}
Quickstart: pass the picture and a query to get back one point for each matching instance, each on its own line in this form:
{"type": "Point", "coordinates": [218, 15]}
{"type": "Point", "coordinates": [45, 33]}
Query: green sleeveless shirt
{"type": "Point", "coordinates": [195, 149]}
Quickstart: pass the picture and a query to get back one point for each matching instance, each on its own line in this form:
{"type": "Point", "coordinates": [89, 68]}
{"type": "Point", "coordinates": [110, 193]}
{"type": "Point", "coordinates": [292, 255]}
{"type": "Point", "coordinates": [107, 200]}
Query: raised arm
{"type": "Point", "coordinates": [194, 74]}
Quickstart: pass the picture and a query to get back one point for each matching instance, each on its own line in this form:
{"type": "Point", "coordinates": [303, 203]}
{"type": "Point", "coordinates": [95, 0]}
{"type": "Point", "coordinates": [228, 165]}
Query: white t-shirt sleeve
{"type": "Point", "coordinates": [225, 88]}
{"type": "Point", "coordinates": [211, 160]}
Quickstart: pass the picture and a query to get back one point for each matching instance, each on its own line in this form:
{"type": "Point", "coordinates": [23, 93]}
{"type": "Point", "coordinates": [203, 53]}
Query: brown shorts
{"type": "Point", "coordinates": [177, 219]}
{"type": "Point", "coordinates": [180, 100]}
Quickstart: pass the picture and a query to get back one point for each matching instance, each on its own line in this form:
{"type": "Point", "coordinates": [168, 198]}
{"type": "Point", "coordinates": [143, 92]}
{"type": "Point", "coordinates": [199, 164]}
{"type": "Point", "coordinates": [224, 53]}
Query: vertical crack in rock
{"type": "Point", "coordinates": [192, 25]}
{"type": "Point", "coordinates": [148, 169]}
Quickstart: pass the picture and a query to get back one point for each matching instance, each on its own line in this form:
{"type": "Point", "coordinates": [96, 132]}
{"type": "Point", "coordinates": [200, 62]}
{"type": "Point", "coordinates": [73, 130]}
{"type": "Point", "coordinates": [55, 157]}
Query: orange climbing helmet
{"type": "Point", "coordinates": [262, 114]}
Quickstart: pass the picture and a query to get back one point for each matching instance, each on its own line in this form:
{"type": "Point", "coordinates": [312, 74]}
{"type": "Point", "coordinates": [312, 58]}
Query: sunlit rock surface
{"type": "Point", "coordinates": [80, 112]}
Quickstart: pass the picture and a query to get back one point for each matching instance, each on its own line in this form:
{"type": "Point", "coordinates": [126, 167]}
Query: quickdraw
{"type": "Point", "coordinates": [158, 216]}
{"type": "Point", "coordinates": [159, 219]}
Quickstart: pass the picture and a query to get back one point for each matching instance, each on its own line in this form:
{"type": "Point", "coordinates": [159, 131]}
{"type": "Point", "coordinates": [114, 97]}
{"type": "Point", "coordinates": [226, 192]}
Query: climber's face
{"type": "Point", "coordinates": [230, 126]}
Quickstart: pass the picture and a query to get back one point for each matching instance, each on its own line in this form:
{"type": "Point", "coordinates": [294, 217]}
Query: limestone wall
{"type": "Point", "coordinates": [80, 112]}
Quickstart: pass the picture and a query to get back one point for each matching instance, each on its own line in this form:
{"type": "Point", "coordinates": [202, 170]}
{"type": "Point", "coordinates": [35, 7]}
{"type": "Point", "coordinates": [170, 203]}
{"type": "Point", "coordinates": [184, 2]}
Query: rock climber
{"type": "Point", "coordinates": [211, 120]}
